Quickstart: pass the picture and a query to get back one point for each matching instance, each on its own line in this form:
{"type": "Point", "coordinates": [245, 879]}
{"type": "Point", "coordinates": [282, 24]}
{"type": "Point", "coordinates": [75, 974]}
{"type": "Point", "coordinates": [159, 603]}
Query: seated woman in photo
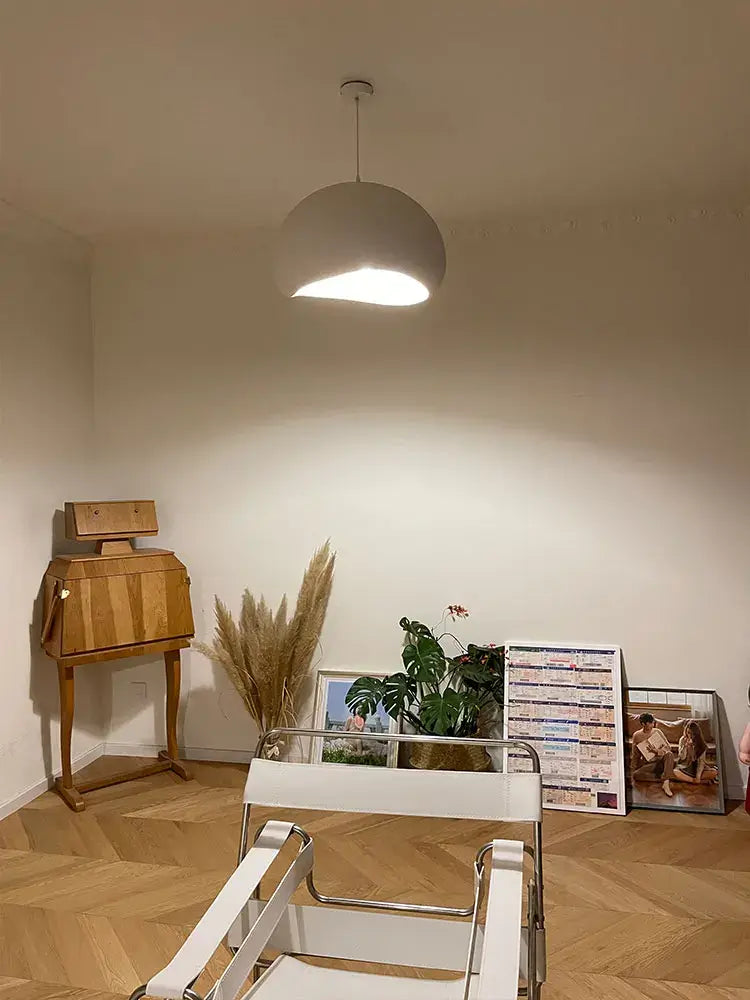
{"type": "Point", "coordinates": [355, 724]}
{"type": "Point", "coordinates": [691, 763]}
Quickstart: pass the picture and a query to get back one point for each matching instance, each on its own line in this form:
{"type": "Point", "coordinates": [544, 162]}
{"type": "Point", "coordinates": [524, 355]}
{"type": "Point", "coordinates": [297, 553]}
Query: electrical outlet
{"type": "Point", "coordinates": [140, 690]}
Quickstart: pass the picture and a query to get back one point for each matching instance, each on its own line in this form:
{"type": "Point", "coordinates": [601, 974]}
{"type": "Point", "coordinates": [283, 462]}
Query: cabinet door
{"type": "Point", "coordinates": [107, 612]}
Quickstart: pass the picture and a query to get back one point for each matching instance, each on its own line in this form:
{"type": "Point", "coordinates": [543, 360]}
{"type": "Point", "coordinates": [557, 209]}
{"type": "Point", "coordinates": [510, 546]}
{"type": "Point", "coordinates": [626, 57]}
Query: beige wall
{"type": "Point", "coordinates": [559, 441]}
{"type": "Point", "coordinates": [46, 447]}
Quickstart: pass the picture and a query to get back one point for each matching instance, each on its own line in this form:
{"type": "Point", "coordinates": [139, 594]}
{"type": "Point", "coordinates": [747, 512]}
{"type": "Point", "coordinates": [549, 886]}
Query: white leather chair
{"type": "Point", "coordinates": [499, 960]}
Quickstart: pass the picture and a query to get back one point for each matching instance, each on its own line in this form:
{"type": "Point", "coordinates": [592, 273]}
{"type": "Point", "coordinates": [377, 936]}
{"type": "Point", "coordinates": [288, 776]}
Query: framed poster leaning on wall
{"type": "Point", "coordinates": [673, 750]}
{"type": "Point", "coordinates": [566, 701]}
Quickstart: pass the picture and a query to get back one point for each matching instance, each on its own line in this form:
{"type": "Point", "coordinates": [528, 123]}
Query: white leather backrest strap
{"type": "Point", "coordinates": [498, 972]}
{"type": "Point", "coordinates": [395, 791]}
{"type": "Point", "coordinates": [216, 921]}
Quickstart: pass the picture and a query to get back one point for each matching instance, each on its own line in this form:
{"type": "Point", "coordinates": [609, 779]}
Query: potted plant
{"type": "Point", "coordinates": [438, 694]}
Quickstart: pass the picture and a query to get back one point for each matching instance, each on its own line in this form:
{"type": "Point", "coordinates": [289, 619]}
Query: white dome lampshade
{"type": "Point", "coordinates": [359, 241]}
{"type": "Point", "coordinates": [362, 242]}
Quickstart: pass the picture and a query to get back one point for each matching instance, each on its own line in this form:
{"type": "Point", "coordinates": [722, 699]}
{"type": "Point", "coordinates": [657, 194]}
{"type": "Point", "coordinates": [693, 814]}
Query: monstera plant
{"type": "Point", "coordinates": [438, 694]}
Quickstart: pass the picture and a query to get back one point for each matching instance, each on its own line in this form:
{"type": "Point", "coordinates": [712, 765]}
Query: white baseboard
{"type": "Point", "coordinates": [33, 791]}
{"type": "Point", "coordinates": [120, 750]}
{"type": "Point", "coordinates": [187, 753]}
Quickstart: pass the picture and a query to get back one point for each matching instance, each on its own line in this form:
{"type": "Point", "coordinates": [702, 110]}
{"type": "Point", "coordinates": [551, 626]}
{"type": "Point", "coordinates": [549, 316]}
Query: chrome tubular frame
{"type": "Point", "coordinates": [535, 901]}
{"type": "Point", "coordinates": [188, 994]}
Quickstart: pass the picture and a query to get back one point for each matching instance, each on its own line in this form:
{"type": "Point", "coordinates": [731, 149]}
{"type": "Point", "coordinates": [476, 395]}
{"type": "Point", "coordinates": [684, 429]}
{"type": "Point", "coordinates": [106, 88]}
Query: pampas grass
{"type": "Point", "coordinates": [268, 655]}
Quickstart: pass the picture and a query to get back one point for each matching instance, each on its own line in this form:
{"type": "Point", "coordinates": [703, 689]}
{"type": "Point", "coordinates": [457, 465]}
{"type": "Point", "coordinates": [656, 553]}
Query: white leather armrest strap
{"type": "Point", "coordinates": [192, 957]}
{"type": "Point", "coordinates": [233, 978]}
{"type": "Point", "coordinates": [498, 973]}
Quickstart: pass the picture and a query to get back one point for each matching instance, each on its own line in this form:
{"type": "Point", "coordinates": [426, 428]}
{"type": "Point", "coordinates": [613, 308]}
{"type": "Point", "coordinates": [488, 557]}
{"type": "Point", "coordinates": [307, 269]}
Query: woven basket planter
{"type": "Point", "coordinates": [438, 757]}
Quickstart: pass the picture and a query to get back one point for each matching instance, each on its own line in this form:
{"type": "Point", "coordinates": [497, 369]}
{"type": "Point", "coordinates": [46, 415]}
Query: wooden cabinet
{"type": "Point", "coordinates": [115, 602]}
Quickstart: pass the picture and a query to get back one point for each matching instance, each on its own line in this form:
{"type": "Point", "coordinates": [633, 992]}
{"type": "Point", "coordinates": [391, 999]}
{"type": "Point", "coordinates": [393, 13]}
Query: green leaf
{"type": "Point", "coordinates": [424, 660]}
{"type": "Point", "coordinates": [399, 692]}
{"type": "Point", "coordinates": [439, 713]}
{"type": "Point", "coordinates": [365, 695]}
{"type": "Point", "coordinates": [417, 629]}
{"type": "Point", "coordinates": [471, 702]}
{"type": "Point", "coordinates": [482, 669]}
{"type": "Point", "coordinates": [473, 672]}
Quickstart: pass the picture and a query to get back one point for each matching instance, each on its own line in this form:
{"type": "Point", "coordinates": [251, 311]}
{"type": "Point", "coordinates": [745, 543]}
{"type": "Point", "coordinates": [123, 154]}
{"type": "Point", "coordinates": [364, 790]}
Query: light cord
{"type": "Point", "coordinates": [356, 118]}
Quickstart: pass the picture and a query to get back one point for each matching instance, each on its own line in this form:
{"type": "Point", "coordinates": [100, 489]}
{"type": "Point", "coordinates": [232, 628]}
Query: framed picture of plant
{"type": "Point", "coordinates": [345, 745]}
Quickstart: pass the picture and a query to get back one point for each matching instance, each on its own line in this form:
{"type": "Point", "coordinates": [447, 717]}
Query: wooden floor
{"type": "Point", "coordinates": [655, 905]}
{"type": "Point", "coordinates": [704, 796]}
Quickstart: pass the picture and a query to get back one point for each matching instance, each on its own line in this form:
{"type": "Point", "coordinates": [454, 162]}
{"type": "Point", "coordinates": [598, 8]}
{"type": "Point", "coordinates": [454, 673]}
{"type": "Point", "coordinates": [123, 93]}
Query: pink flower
{"type": "Point", "coordinates": [457, 611]}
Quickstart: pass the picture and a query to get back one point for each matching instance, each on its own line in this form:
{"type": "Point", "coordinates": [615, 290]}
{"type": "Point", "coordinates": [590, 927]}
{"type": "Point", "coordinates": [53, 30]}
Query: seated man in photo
{"type": "Point", "coordinates": [648, 762]}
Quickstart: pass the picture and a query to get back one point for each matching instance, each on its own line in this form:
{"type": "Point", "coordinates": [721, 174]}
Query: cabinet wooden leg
{"type": "Point", "coordinates": [172, 667]}
{"type": "Point", "coordinates": [64, 785]}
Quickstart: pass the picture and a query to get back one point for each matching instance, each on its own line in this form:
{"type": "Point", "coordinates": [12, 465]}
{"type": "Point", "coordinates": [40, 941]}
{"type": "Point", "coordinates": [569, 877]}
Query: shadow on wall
{"type": "Point", "coordinates": [207, 715]}
{"type": "Point", "coordinates": [43, 687]}
{"type": "Point", "coordinates": [135, 684]}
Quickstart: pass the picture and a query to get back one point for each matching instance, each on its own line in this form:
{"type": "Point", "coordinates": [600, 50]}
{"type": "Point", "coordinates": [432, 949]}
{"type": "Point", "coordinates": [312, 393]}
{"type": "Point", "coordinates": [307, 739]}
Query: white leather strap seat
{"type": "Point", "coordinates": [291, 979]}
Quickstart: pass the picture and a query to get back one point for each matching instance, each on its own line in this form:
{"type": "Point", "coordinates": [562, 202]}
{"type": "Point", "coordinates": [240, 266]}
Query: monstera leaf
{"type": "Point", "coordinates": [439, 713]}
{"type": "Point", "coordinates": [365, 695]}
{"type": "Point", "coordinates": [424, 660]}
{"type": "Point", "coordinates": [399, 693]}
{"type": "Point", "coordinates": [423, 657]}
{"type": "Point", "coordinates": [416, 629]}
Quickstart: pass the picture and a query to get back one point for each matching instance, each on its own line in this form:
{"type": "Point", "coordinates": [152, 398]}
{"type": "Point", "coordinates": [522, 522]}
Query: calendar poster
{"type": "Point", "coordinates": [566, 701]}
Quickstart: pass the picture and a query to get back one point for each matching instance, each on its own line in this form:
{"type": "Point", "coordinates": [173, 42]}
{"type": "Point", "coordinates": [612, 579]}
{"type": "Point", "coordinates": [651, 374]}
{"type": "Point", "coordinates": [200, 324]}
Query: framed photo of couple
{"type": "Point", "coordinates": [345, 745]}
{"type": "Point", "coordinates": [673, 750]}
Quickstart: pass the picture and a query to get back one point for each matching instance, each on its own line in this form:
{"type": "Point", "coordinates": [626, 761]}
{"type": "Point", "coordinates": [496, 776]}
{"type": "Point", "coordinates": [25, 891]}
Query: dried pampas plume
{"type": "Point", "coordinates": [268, 656]}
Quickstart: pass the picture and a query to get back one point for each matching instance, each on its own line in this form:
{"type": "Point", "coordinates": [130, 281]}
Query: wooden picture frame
{"type": "Point", "coordinates": [332, 714]}
{"type": "Point", "coordinates": [693, 768]}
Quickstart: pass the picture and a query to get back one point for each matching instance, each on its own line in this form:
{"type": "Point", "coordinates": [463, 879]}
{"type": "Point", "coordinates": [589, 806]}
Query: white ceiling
{"type": "Point", "coordinates": [121, 115]}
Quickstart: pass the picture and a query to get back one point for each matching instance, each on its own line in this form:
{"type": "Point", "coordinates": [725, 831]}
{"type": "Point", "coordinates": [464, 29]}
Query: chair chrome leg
{"type": "Point", "coordinates": [244, 832]}
{"type": "Point", "coordinates": [187, 994]}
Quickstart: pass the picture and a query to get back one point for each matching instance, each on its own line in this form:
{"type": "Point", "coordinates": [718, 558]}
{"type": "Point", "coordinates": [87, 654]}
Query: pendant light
{"type": "Point", "coordinates": [360, 241]}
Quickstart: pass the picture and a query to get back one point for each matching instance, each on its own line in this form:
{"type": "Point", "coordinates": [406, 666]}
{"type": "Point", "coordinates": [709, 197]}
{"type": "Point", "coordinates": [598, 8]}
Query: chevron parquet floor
{"type": "Point", "coordinates": [654, 905]}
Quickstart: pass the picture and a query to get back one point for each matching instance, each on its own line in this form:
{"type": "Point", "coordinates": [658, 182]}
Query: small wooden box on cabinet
{"type": "Point", "coordinates": [115, 602]}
